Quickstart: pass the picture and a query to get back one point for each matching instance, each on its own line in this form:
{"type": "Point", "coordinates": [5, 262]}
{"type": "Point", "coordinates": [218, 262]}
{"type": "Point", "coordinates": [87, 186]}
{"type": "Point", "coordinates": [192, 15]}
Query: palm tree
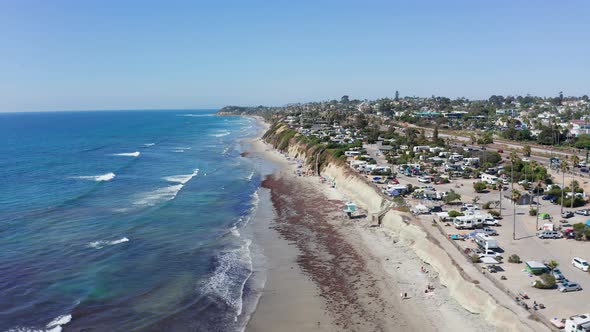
{"type": "Point", "coordinates": [575, 159]}
{"type": "Point", "coordinates": [573, 184]}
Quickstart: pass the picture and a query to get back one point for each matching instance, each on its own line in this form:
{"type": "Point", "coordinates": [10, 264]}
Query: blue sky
{"type": "Point", "coordinates": [69, 55]}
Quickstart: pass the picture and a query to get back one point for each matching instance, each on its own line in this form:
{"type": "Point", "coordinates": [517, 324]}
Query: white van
{"type": "Point", "coordinates": [548, 235]}
{"type": "Point", "coordinates": [580, 264]}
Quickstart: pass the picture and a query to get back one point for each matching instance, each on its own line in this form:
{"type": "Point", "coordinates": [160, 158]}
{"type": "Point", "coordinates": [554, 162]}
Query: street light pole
{"type": "Point", "coordinates": [562, 186]}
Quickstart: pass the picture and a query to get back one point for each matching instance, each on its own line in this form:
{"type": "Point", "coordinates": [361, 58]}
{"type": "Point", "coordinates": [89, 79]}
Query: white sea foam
{"type": "Point", "coordinates": [225, 150]}
{"type": "Point", "coordinates": [235, 232]}
{"type": "Point", "coordinates": [59, 321]}
{"type": "Point", "coordinates": [159, 195]}
{"type": "Point", "coordinates": [149, 144]}
{"type": "Point", "coordinates": [53, 326]}
{"type": "Point", "coordinates": [98, 178]}
{"type": "Point", "coordinates": [233, 266]}
{"type": "Point", "coordinates": [182, 179]}
{"type": "Point", "coordinates": [221, 133]}
{"type": "Point", "coordinates": [182, 148]}
{"type": "Point", "coordinates": [128, 154]}
{"type": "Point", "coordinates": [103, 243]}
{"type": "Point", "coordinates": [250, 176]}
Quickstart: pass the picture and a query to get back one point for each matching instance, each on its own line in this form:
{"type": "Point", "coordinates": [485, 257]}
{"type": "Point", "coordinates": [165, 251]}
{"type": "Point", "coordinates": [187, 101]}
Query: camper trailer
{"type": "Point", "coordinates": [352, 153]}
{"type": "Point", "coordinates": [455, 157]}
{"type": "Point", "coordinates": [485, 241]}
{"type": "Point", "coordinates": [489, 179]}
{"type": "Point", "coordinates": [471, 221]}
{"type": "Point", "coordinates": [471, 161]}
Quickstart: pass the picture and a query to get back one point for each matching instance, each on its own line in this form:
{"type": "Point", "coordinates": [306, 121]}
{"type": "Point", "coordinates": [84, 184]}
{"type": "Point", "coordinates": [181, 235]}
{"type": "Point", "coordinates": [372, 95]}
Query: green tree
{"type": "Point", "coordinates": [479, 186]}
{"type": "Point", "coordinates": [526, 150]}
{"type": "Point", "coordinates": [454, 214]}
{"type": "Point", "coordinates": [452, 196]}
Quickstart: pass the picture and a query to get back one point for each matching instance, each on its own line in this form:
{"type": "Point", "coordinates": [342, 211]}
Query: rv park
{"type": "Point", "coordinates": [515, 230]}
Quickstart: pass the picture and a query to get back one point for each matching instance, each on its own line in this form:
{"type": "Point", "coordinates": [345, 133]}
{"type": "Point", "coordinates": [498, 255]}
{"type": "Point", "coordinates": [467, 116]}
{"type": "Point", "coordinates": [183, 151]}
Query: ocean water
{"type": "Point", "coordinates": [127, 220]}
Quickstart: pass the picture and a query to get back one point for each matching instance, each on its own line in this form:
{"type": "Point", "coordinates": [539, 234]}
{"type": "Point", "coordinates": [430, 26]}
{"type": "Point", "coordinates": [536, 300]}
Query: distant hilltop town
{"type": "Point", "coordinates": [556, 120]}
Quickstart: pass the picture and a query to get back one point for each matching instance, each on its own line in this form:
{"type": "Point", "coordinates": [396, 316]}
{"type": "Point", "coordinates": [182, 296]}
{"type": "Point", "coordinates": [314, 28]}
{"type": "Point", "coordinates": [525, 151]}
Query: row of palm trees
{"type": "Point", "coordinates": [575, 160]}
{"type": "Point", "coordinates": [564, 167]}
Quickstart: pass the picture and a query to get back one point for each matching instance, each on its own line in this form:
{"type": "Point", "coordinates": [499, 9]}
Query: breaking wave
{"type": "Point", "coordinates": [98, 178]}
{"type": "Point", "coordinates": [54, 326]}
{"type": "Point", "coordinates": [103, 243]}
{"type": "Point", "coordinates": [182, 179]}
{"type": "Point", "coordinates": [159, 195]}
{"type": "Point", "coordinates": [128, 154]}
{"type": "Point", "coordinates": [221, 133]}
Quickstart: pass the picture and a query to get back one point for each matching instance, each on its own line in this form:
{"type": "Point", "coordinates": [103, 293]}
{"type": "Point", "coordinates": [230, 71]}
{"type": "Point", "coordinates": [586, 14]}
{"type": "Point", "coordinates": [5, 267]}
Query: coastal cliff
{"type": "Point", "coordinates": [331, 163]}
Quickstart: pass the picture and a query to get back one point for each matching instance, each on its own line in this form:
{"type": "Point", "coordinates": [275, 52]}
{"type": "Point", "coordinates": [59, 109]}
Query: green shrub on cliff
{"type": "Point", "coordinates": [284, 138]}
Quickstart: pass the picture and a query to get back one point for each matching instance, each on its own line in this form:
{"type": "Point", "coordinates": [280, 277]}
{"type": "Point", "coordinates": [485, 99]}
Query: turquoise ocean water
{"type": "Point", "coordinates": [126, 220]}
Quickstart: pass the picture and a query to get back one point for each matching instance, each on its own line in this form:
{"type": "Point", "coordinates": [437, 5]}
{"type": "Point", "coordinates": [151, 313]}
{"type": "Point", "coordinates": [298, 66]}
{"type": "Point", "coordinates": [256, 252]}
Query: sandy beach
{"type": "Point", "coordinates": [327, 272]}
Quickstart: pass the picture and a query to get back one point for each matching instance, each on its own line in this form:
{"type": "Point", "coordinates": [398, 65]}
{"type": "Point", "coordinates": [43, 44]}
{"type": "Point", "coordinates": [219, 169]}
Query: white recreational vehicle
{"type": "Point", "coordinates": [485, 241]}
{"type": "Point", "coordinates": [472, 221]}
{"type": "Point", "coordinates": [471, 161]}
{"type": "Point", "coordinates": [489, 179]}
{"type": "Point", "coordinates": [455, 157]}
{"type": "Point", "coordinates": [352, 153]}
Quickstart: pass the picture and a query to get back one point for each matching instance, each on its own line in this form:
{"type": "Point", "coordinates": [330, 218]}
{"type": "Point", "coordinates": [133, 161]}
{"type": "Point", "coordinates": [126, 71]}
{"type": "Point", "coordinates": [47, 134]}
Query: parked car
{"type": "Point", "coordinates": [488, 231]}
{"type": "Point", "coordinates": [584, 170]}
{"type": "Point", "coordinates": [569, 287]}
{"type": "Point", "coordinates": [580, 264]}
{"type": "Point", "coordinates": [489, 253]}
{"type": "Point", "coordinates": [491, 222]}
{"type": "Point", "coordinates": [549, 235]}
{"type": "Point", "coordinates": [526, 160]}
{"type": "Point", "coordinates": [436, 209]}
{"type": "Point", "coordinates": [583, 212]}
{"type": "Point", "coordinates": [548, 197]}
{"type": "Point", "coordinates": [558, 275]}
{"type": "Point", "coordinates": [423, 179]}
{"type": "Point", "coordinates": [567, 214]}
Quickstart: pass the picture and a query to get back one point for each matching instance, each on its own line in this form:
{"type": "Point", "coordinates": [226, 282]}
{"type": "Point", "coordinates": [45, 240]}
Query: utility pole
{"type": "Point", "coordinates": [501, 187]}
{"type": "Point", "coordinates": [562, 186]}
{"type": "Point", "coordinates": [538, 207]}
{"type": "Point", "coordinates": [513, 202]}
